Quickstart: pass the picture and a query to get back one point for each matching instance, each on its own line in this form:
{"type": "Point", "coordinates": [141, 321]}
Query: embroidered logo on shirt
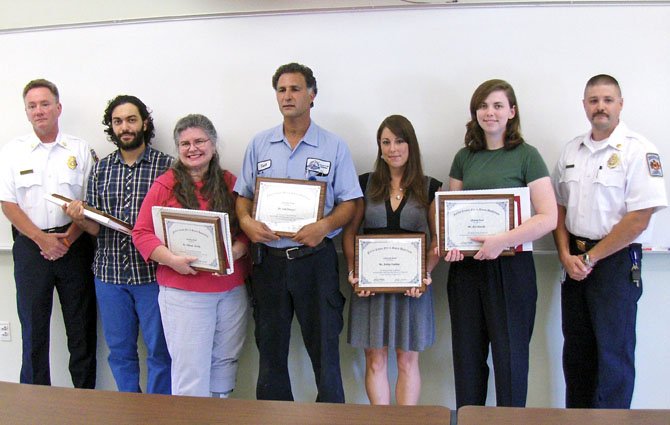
{"type": "Point", "coordinates": [72, 163]}
{"type": "Point", "coordinates": [613, 161]}
{"type": "Point", "coordinates": [654, 164]}
{"type": "Point", "coordinates": [263, 165]}
{"type": "Point", "coordinates": [316, 167]}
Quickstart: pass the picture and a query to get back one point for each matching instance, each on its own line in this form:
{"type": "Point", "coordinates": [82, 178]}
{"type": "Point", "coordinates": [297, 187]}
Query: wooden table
{"type": "Point", "coordinates": [472, 415]}
{"type": "Point", "coordinates": [33, 404]}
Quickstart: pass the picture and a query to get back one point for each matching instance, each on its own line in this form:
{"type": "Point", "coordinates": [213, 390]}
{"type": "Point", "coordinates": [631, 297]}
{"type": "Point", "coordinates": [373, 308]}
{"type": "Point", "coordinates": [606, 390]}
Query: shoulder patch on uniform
{"type": "Point", "coordinates": [94, 155]}
{"type": "Point", "coordinates": [654, 165]}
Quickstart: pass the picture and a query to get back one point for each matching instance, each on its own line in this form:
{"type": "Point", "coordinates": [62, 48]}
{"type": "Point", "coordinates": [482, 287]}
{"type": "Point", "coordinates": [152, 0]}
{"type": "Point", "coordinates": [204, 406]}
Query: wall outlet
{"type": "Point", "coordinates": [5, 331]}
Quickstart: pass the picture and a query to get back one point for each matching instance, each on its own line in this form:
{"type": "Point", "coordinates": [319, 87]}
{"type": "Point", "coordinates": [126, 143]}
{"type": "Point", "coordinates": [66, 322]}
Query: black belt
{"type": "Point", "coordinates": [61, 229]}
{"type": "Point", "coordinates": [583, 244]}
{"type": "Point", "coordinates": [295, 252]}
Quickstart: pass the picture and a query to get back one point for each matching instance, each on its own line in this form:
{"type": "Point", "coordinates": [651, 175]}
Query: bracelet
{"type": "Point", "coordinates": [351, 273]}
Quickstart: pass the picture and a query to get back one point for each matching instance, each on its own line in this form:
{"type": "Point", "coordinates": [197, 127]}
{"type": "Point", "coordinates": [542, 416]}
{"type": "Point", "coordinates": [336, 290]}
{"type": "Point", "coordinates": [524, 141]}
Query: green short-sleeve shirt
{"type": "Point", "coordinates": [500, 168]}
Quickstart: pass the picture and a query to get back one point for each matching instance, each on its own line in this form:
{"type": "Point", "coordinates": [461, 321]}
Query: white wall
{"type": "Point", "coordinates": [421, 63]}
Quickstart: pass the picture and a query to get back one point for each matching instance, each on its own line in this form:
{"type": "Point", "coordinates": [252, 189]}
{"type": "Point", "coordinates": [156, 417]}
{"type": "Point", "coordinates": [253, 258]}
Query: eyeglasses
{"type": "Point", "coordinates": [186, 145]}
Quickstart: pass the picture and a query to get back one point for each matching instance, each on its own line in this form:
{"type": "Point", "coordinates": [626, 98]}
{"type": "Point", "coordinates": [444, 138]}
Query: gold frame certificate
{"type": "Point", "coordinates": [287, 205]}
{"type": "Point", "coordinates": [462, 216]}
{"type": "Point", "coordinates": [201, 234]}
{"type": "Point", "coordinates": [390, 263]}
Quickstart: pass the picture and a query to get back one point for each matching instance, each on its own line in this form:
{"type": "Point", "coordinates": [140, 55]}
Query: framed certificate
{"type": "Point", "coordinates": [462, 216]}
{"type": "Point", "coordinates": [390, 263]}
{"type": "Point", "coordinates": [286, 205]}
{"type": "Point", "coordinates": [94, 214]}
{"type": "Point", "coordinates": [201, 234]}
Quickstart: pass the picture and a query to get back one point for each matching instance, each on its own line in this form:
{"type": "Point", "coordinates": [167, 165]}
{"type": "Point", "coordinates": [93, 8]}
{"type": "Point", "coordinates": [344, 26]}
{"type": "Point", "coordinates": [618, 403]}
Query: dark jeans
{"type": "Point", "coordinates": [72, 277]}
{"type": "Point", "coordinates": [308, 286]}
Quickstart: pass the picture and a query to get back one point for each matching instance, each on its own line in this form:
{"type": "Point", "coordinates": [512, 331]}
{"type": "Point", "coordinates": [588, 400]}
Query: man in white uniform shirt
{"type": "Point", "coordinates": [608, 183]}
{"type": "Point", "coordinates": [48, 251]}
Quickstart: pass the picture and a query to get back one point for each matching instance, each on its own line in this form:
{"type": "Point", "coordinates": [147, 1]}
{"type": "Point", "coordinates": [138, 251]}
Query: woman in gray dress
{"type": "Point", "coordinates": [398, 199]}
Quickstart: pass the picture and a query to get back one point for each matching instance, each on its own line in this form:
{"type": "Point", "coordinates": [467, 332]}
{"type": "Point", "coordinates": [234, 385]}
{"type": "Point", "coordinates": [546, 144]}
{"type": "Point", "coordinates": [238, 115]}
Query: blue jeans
{"type": "Point", "coordinates": [124, 309]}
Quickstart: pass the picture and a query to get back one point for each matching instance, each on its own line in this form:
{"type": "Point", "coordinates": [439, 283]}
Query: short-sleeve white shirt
{"type": "Point", "coordinates": [599, 186]}
{"type": "Point", "coordinates": [30, 169]}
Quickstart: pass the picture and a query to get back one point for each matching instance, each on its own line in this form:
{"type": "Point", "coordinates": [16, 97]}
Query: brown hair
{"type": "Point", "coordinates": [413, 179]}
{"type": "Point", "coordinates": [41, 82]}
{"type": "Point", "coordinates": [475, 139]}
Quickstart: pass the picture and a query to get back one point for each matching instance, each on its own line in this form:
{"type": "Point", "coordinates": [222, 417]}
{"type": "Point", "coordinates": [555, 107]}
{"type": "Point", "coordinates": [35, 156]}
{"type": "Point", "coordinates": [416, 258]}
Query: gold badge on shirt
{"type": "Point", "coordinates": [613, 161]}
{"type": "Point", "coordinates": [72, 163]}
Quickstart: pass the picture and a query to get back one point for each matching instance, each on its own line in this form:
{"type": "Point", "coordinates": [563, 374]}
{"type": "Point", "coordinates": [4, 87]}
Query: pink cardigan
{"type": "Point", "coordinates": [146, 241]}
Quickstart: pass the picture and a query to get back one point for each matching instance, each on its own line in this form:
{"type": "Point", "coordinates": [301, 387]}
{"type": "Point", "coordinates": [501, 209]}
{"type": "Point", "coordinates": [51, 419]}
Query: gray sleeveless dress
{"type": "Point", "coordinates": [393, 320]}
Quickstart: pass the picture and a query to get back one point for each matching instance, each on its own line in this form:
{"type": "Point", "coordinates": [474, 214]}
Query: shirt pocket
{"type": "Point", "coordinates": [26, 181]}
{"type": "Point", "coordinates": [29, 189]}
{"type": "Point", "coordinates": [568, 183]}
{"type": "Point", "coordinates": [609, 191]}
{"type": "Point", "coordinates": [72, 178]}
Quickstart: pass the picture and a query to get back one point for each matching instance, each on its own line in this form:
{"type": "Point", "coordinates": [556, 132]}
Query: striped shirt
{"type": "Point", "coordinates": [118, 189]}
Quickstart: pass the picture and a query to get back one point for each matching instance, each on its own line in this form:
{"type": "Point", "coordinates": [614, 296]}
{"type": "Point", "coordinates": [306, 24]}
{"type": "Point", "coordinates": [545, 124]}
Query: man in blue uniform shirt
{"type": "Point", "coordinates": [608, 183]}
{"type": "Point", "coordinates": [299, 274]}
{"type": "Point", "coordinates": [48, 251]}
{"type": "Point", "coordinates": [125, 284]}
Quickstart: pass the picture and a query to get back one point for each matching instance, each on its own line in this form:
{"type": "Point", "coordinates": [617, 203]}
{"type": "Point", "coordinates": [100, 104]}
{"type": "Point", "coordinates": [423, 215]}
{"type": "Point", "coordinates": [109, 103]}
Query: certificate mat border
{"type": "Point", "coordinates": [220, 246]}
{"type": "Point", "coordinates": [322, 196]}
{"type": "Point", "coordinates": [441, 225]}
{"type": "Point", "coordinates": [393, 289]}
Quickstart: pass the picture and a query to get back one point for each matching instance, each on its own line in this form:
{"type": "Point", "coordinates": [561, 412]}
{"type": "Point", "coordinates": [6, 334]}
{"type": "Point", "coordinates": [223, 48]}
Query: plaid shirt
{"type": "Point", "coordinates": [118, 189]}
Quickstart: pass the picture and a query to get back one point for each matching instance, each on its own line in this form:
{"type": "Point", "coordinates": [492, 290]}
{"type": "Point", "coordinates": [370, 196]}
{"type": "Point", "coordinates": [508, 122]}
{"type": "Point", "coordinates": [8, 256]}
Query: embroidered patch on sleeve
{"type": "Point", "coordinates": [654, 165]}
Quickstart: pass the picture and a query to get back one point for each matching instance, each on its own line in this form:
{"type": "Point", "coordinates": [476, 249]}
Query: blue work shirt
{"type": "Point", "coordinates": [320, 155]}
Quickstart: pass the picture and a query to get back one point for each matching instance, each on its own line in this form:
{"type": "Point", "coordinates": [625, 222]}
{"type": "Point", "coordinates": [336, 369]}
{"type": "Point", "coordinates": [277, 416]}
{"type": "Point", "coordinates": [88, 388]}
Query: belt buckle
{"type": "Point", "coordinates": [581, 245]}
{"type": "Point", "coordinates": [288, 251]}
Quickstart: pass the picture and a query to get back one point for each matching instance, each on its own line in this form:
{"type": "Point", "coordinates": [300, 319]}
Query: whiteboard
{"type": "Point", "coordinates": [423, 64]}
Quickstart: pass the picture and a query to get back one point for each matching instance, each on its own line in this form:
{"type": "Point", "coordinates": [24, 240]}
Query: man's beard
{"type": "Point", "coordinates": [135, 143]}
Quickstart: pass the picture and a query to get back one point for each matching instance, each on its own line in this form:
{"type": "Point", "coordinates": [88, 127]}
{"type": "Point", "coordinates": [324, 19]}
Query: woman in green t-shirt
{"type": "Point", "coordinates": [492, 298]}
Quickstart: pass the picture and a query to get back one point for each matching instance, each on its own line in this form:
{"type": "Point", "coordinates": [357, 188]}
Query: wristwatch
{"type": "Point", "coordinates": [587, 260]}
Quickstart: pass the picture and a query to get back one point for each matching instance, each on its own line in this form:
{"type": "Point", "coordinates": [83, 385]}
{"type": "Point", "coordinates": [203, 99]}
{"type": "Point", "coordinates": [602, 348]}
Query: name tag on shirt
{"type": "Point", "coordinates": [24, 172]}
{"type": "Point", "coordinates": [263, 165]}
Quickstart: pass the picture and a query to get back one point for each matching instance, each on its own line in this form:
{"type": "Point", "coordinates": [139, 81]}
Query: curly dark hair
{"type": "Point", "coordinates": [475, 139]}
{"type": "Point", "coordinates": [145, 114]}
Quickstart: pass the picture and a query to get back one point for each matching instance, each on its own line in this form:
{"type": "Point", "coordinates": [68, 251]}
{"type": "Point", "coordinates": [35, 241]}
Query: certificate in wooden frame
{"type": "Point", "coordinates": [95, 214]}
{"type": "Point", "coordinates": [394, 268]}
{"type": "Point", "coordinates": [450, 230]}
{"type": "Point", "coordinates": [198, 236]}
{"type": "Point", "coordinates": [277, 203]}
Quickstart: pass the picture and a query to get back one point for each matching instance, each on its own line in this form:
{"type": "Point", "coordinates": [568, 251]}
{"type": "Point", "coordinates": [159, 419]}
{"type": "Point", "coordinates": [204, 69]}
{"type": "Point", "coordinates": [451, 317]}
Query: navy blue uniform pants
{"type": "Point", "coordinates": [72, 277]}
{"type": "Point", "coordinates": [308, 286]}
{"type": "Point", "coordinates": [599, 315]}
{"type": "Point", "coordinates": [492, 302]}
